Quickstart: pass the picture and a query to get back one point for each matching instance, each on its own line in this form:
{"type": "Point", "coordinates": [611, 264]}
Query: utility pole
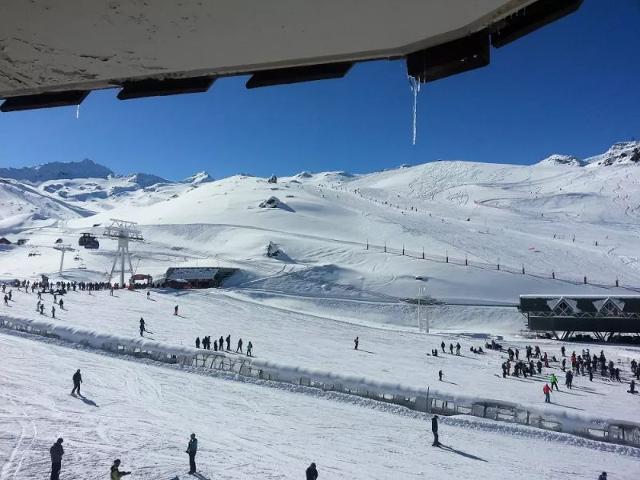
{"type": "Point", "coordinates": [422, 323]}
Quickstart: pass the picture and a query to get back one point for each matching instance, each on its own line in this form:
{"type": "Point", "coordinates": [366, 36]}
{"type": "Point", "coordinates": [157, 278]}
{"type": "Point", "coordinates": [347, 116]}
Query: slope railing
{"type": "Point", "coordinates": [500, 267]}
{"type": "Point", "coordinates": [422, 400]}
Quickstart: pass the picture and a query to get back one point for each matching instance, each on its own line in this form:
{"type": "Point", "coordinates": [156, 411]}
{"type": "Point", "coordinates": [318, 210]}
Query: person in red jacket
{"type": "Point", "coordinates": [547, 393]}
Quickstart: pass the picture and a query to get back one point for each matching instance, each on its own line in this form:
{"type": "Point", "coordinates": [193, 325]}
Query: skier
{"type": "Point", "coordinates": [221, 343]}
{"type": "Point", "coordinates": [53, 311]}
{"type": "Point", "coordinates": [547, 393]}
{"type": "Point", "coordinates": [56, 452]}
{"type": "Point", "coordinates": [632, 387]}
{"type": "Point", "coordinates": [215, 345]}
{"type": "Point", "coordinates": [554, 382]}
{"type": "Point", "coordinates": [6, 300]}
{"type": "Point", "coordinates": [61, 303]}
{"type": "Point", "coordinates": [356, 341]}
{"type": "Point", "coordinates": [569, 379]}
{"type": "Point", "coordinates": [228, 342]}
{"type": "Point", "coordinates": [451, 348]}
{"type": "Point", "coordinates": [197, 342]}
{"type": "Point", "coordinates": [77, 380]}
{"type": "Point", "coordinates": [250, 349]}
{"type": "Point", "coordinates": [192, 449]}
{"type": "Point", "coordinates": [148, 295]}
{"type": "Point", "coordinates": [434, 430]}
{"type": "Point", "coordinates": [458, 348]}
{"type": "Point", "coordinates": [442, 345]}
{"type": "Point", "coordinates": [311, 472]}
{"type": "Point", "coordinates": [175, 310]}
{"type": "Point", "coordinates": [142, 327]}
{"type": "Point", "coordinates": [603, 476]}
{"type": "Point", "coordinates": [440, 374]}
{"type": "Point", "coordinates": [563, 351]}
{"type": "Point", "coordinates": [116, 474]}
{"type": "Point", "coordinates": [239, 348]}
{"type": "Point", "coordinates": [42, 309]}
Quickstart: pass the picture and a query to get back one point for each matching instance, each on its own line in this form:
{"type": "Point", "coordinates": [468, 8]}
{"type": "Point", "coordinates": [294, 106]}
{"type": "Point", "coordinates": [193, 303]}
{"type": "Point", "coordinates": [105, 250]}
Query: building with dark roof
{"type": "Point", "coordinates": [197, 277]}
{"type": "Point", "coordinates": [604, 316]}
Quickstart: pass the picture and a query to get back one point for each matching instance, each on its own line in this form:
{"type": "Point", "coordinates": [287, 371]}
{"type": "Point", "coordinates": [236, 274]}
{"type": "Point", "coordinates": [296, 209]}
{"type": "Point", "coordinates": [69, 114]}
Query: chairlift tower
{"type": "Point", "coordinates": [63, 249]}
{"type": "Point", "coordinates": [124, 232]}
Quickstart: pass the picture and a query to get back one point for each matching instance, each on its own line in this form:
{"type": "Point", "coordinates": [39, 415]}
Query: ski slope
{"type": "Point", "coordinates": [143, 414]}
{"type": "Point", "coordinates": [563, 217]}
{"type": "Point", "coordinates": [303, 309]}
{"type": "Point", "coordinates": [314, 342]}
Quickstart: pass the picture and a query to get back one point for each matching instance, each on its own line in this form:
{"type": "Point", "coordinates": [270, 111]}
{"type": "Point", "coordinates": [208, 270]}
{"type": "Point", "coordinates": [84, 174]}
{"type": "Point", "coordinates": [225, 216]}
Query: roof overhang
{"type": "Point", "coordinates": [54, 51]}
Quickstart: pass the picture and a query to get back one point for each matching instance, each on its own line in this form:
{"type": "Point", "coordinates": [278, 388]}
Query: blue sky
{"type": "Point", "coordinates": [572, 87]}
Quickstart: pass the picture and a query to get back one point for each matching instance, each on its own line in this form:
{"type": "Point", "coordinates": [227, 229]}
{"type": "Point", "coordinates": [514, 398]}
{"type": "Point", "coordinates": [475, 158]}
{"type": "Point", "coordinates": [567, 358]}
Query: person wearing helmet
{"type": "Point", "coordinates": [603, 476]}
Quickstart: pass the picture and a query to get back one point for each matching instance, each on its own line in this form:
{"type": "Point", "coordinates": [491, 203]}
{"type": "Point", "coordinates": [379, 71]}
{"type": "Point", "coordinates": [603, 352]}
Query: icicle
{"type": "Point", "coordinates": [77, 111]}
{"type": "Point", "coordinates": [414, 83]}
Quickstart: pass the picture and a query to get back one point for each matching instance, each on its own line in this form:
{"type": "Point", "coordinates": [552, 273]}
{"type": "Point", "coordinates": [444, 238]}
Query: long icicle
{"type": "Point", "coordinates": [415, 88]}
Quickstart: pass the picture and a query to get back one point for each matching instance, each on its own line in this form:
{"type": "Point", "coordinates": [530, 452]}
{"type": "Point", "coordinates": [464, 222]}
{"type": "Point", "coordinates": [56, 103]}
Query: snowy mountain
{"type": "Point", "coordinates": [623, 153]}
{"type": "Point", "coordinates": [56, 170]}
{"type": "Point", "coordinates": [24, 207]}
{"type": "Point", "coordinates": [198, 178]}
{"type": "Point", "coordinates": [85, 187]}
{"type": "Point", "coordinates": [561, 215]}
{"type": "Point", "coordinates": [322, 258]}
{"type": "Point", "coordinates": [557, 159]}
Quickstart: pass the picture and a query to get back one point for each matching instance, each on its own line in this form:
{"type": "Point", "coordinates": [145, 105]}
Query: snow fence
{"type": "Point", "coordinates": [423, 400]}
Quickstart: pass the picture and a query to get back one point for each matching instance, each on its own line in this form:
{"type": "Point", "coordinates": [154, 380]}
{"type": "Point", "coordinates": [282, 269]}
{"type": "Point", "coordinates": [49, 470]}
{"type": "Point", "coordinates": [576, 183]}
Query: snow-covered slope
{"type": "Point", "coordinates": [623, 153]}
{"type": "Point", "coordinates": [341, 274]}
{"type": "Point", "coordinates": [144, 414]}
{"type": "Point", "coordinates": [567, 219]}
{"type": "Point", "coordinates": [23, 207]}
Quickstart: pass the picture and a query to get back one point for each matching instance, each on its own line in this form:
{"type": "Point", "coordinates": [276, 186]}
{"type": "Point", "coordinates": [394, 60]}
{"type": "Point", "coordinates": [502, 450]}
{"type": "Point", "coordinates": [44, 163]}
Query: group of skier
{"type": "Point", "coordinates": [583, 364]}
{"type": "Point", "coordinates": [57, 452]}
{"type": "Point", "coordinates": [451, 347]}
{"type": "Point", "coordinates": [219, 345]}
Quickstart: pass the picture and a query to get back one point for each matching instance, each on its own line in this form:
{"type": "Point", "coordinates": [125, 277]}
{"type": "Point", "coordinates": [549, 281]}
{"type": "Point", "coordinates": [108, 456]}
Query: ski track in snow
{"type": "Point", "coordinates": [462, 421]}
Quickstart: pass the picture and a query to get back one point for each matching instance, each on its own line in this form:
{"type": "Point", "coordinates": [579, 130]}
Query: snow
{"type": "Point", "coordinates": [57, 170]}
{"type": "Point", "coordinates": [144, 414]}
{"type": "Point", "coordinates": [198, 178]}
{"type": "Point", "coordinates": [302, 310]}
{"type": "Point", "coordinates": [286, 336]}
